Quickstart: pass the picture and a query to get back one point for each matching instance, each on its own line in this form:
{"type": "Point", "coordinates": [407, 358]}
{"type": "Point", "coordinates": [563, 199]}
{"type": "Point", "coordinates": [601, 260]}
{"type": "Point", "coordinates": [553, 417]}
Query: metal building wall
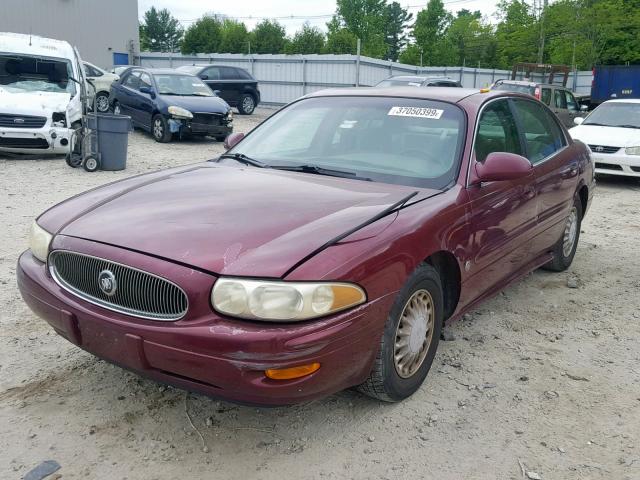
{"type": "Point", "coordinates": [284, 78]}
{"type": "Point", "coordinates": [97, 27]}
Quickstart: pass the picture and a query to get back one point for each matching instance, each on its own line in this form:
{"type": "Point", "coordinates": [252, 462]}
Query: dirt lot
{"type": "Point", "coordinates": [543, 381]}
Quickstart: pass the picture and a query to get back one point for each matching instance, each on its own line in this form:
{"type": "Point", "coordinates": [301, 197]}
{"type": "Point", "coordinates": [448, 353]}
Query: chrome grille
{"type": "Point", "coordinates": [603, 149]}
{"type": "Point", "coordinates": [138, 293]}
{"type": "Point", "coordinates": [8, 120]}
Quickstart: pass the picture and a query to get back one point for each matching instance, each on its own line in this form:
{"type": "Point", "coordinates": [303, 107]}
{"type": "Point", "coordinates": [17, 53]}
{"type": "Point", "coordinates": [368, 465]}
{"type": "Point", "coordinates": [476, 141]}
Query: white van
{"type": "Point", "coordinates": [40, 94]}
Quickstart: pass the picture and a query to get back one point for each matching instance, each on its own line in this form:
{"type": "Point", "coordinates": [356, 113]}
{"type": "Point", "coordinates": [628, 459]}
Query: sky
{"type": "Point", "coordinates": [316, 12]}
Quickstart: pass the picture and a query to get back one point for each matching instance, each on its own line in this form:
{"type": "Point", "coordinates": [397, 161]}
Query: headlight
{"type": "Point", "coordinates": [632, 150]}
{"type": "Point", "coordinates": [39, 241]}
{"type": "Point", "coordinates": [180, 112]}
{"type": "Point", "coordinates": [283, 301]}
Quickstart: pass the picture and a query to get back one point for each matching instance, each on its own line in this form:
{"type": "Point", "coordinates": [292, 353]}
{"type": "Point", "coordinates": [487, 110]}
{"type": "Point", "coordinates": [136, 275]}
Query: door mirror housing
{"type": "Point", "coordinates": [578, 120]}
{"type": "Point", "coordinates": [584, 108]}
{"type": "Point", "coordinates": [204, 77]}
{"type": "Point", "coordinates": [501, 166]}
{"type": "Point", "coordinates": [148, 91]}
{"type": "Point", "coordinates": [232, 140]}
{"type": "Point", "coordinates": [216, 93]}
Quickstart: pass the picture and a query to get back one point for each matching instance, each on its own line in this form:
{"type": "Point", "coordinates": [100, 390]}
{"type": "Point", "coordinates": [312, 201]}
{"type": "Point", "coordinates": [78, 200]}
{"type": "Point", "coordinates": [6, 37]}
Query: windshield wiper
{"type": "Point", "coordinates": [627, 126]}
{"type": "Point", "coordinates": [596, 124]}
{"type": "Point", "coordinates": [242, 158]}
{"type": "Point", "coordinates": [317, 170]}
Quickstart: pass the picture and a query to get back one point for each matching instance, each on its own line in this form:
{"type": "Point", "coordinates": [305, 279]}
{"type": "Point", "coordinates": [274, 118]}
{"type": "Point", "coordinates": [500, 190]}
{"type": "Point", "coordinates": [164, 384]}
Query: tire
{"type": "Point", "coordinates": [91, 164]}
{"type": "Point", "coordinates": [160, 129]}
{"type": "Point", "coordinates": [388, 380]}
{"type": "Point", "coordinates": [247, 104]}
{"type": "Point", "coordinates": [102, 102]}
{"type": "Point", "coordinates": [565, 248]}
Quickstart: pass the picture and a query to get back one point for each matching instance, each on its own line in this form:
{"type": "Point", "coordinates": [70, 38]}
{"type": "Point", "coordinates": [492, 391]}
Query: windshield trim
{"type": "Point", "coordinates": [464, 126]}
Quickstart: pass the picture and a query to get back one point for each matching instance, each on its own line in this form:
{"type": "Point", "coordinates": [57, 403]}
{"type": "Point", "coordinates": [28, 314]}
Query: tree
{"type": "Point", "coordinates": [268, 37]}
{"type": "Point", "coordinates": [307, 40]}
{"type": "Point", "coordinates": [203, 36]}
{"type": "Point", "coordinates": [234, 37]}
{"type": "Point", "coordinates": [395, 36]}
{"type": "Point", "coordinates": [339, 39]}
{"type": "Point", "coordinates": [365, 19]}
{"type": "Point", "coordinates": [160, 31]}
{"type": "Point", "coordinates": [517, 33]}
{"type": "Point", "coordinates": [429, 32]}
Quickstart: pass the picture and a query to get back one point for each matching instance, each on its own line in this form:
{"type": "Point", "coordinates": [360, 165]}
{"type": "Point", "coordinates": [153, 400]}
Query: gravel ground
{"type": "Point", "coordinates": [543, 381]}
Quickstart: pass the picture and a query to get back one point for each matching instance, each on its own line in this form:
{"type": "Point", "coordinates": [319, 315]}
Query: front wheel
{"type": "Point", "coordinates": [247, 104]}
{"type": "Point", "coordinates": [160, 129]}
{"type": "Point", "coordinates": [102, 102]}
{"type": "Point", "coordinates": [410, 338]}
{"type": "Point", "coordinates": [565, 248]}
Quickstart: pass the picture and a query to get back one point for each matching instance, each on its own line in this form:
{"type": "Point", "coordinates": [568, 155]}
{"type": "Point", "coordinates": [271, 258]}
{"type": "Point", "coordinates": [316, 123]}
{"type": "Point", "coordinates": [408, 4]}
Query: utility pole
{"type": "Point", "coordinates": [541, 48]}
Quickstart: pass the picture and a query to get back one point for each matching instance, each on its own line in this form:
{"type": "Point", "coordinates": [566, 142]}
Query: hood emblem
{"type": "Point", "coordinates": [107, 282]}
{"type": "Point", "coordinates": [18, 120]}
{"type": "Point", "coordinates": [599, 148]}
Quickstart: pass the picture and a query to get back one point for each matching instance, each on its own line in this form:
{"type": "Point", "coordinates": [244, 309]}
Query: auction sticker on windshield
{"type": "Point", "coordinates": [419, 112]}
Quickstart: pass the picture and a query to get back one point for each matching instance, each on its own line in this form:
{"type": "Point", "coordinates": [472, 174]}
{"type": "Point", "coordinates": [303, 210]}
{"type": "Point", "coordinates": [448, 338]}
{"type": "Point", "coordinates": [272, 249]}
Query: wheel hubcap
{"type": "Point", "coordinates": [157, 128]}
{"type": "Point", "coordinates": [103, 103]}
{"type": "Point", "coordinates": [570, 232]}
{"type": "Point", "coordinates": [414, 334]}
{"type": "Point", "coordinates": [247, 104]}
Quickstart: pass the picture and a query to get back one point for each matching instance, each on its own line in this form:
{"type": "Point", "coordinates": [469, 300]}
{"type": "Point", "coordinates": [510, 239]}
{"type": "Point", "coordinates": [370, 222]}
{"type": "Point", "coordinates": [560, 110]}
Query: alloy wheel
{"type": "Point", "coordinates": [102, 103]}
{"type": "Point", "coordinates": [570, 232]}
{"type": "Point", "coordinates": [158, 128]}
{"type": "Point", "coordinates": [414, 333]}
{"type": "Point", "coordinates": [248, 104]}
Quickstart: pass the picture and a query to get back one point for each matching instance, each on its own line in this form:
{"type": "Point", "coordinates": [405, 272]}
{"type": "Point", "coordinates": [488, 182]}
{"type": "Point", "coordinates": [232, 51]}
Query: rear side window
{"type": "Point", "coordinates": [228, 73]}
{"type": "Point", "coordinates": [543, 136]}
{"type": "Point", "coordinates": [244, 74]}
{"type": "Point", "coordinates": [545, 96]}
{"type": "Point", "coordinates": [212, 73]}
{"type": "Point", "coordinates": [497, 131]}
{"type": "Point", "coordinates": [132, 80]}
{"type": "Point", "coordinates": [559, 100]}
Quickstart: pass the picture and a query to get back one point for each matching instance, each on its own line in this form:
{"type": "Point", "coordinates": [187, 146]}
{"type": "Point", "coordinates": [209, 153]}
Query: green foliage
{"type": "Point", "coordinates": [366, 20]}
{"type": "Point", "coordinates": [306, 41]}
{"type": "Point", "coordinates": [430, 31]}
{"type": "Point", "coordinates": [160, 31]}
{"type": "Point", "coordinates": [235, 37]}
{"type": "Point", "coordinates": [203, 36]}
{"type": "Point", "coordinates": [268, 37]}
{"type": "Point", "coordinates": [341, 41]}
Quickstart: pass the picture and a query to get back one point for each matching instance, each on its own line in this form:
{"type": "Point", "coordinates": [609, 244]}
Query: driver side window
{"type": "Point", "coordinates": [497, 131]}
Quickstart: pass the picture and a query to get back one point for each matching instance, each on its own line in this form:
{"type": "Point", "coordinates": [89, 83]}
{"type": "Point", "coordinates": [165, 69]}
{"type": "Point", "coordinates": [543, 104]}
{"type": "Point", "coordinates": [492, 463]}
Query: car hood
{"type": "Point", "coordinates": [228, 220]}
{"type": "Point", "coordinates": [197, 104]}
{"type": "Point", "coordinates": [33, 103]}
{"type": "Point", "coordinates": [608, 136]}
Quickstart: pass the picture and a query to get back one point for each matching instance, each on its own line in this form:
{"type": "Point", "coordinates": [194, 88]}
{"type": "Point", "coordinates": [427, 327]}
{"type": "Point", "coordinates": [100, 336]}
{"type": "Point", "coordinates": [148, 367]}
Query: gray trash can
{"type": "Point", "coordinates": [112, 135]}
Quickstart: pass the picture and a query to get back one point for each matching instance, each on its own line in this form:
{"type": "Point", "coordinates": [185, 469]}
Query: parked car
{"type": "Point", "coordinates": [560, 99]}
{"type": "Point", "coordinates": [166, 102]}
{"type": "Point", "coordinates": [234, 85]}
{"type": "Point", "coordinates": [120, 69]}
{"type": "Point", "coordinates": [41, 97]}
{"type": "Point", "coordinates": [612, 132]}
{"type": "Point", "coordinates": [101, 82]}
{"type": "Point", "coordinates": [324, 250]}
{"type": "Point", "coordinates": [418, 81]}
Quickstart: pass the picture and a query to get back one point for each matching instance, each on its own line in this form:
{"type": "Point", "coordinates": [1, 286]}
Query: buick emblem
{"type": "Point", "coordinates": [599, 149]}
{"type": "Point", "coordinates": [18, 120]}
{"type": "Point", "coordinates": [107, 282]}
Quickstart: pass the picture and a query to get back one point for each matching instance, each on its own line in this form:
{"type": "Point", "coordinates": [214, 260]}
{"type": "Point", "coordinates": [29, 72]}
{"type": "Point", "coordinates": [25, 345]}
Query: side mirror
{"type": "Point", "coordinates": [232, 140]}
{"type": "Point", "coordinates": [204, 77]}
{"type": "Point", "coordinates": [584, 108]}
{"type": "Point", "coordinates": [578, 120]}
{"type": "Point", "coordinates": [216, 93]}
{"type": "Point", "coordinates": [148, 91]}
{"type": "Point", "coordinates": [501, 166]}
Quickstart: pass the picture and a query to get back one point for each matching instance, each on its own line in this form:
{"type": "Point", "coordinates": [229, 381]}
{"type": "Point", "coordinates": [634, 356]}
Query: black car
{"type": "Point", "coordinates": [419, 81]}
{"type": "Point", "coordinates": [166, 102]}
{"type": "Point", "coordinates": [234, 85]}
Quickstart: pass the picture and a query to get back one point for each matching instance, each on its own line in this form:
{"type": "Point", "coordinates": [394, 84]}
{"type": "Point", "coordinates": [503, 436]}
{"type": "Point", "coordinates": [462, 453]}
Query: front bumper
{"type": "Point", "coordinates": [191, 127]}
{"type": "Point", "coordinates": [617, 163]}
{"type": "Point", "coordinates": [204, 352]}
{"type": "Point", "coordinates": [45, 140]}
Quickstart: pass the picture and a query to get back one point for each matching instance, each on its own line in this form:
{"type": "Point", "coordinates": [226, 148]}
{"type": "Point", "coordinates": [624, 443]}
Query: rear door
{"type": "Point", "coordinates": [503, 214]}
{"type": "Point", "coordinates": [555, 167]}
{"type": "Point", "coordinates": [559, 106]}
{"type": "Point", "coordinates": [233, 85]}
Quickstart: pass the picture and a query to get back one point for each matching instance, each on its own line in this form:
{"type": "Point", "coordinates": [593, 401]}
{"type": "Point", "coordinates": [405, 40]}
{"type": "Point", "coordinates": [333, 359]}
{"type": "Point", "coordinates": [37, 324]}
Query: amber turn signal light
{"type": "Point", "coordinates": [291, 373]}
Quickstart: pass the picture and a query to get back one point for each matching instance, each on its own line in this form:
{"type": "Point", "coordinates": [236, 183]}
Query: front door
{"type": "Point", "coordinates": [212, 77]}
{"type": "Point", "coordinates": [503, 214]}
{"type": "Point", "coordinates": [128, 94]}
{"type": "Point", "coordinates": [555, 167]}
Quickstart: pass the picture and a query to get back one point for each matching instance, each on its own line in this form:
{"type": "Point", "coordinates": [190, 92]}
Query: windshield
{"type": "Point", "coordinates": [23, 73]}
{"type": "Point", "coordinates": [184, 85]}
{"type": "Point", "coordinates": [615, 114]}
{"type": "Point", "coordinates": [393, 140]}
{"type": "Point", "coordinates": [514, 87]}
{"type": "Point", "coordinates": [390, 82]}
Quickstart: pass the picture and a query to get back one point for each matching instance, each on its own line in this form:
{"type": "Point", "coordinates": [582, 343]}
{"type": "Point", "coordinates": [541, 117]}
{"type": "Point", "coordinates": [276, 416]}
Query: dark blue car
{"type": "Point", "coordinates": [167, 102]}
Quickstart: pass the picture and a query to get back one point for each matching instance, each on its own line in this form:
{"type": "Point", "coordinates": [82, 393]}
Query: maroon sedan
{"type": "Point", "coordinates": [323, 251]}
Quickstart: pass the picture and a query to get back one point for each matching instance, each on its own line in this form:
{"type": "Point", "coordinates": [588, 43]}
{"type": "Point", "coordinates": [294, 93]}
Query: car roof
{"type": "Point", "coordinates": [445, 94]}
{"type": "Point", "coordinates": [420, 77]}
{"type": "Point", "coordinates": [160, 71]}
{"type": "Point", "coordinates": [623, 100]}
